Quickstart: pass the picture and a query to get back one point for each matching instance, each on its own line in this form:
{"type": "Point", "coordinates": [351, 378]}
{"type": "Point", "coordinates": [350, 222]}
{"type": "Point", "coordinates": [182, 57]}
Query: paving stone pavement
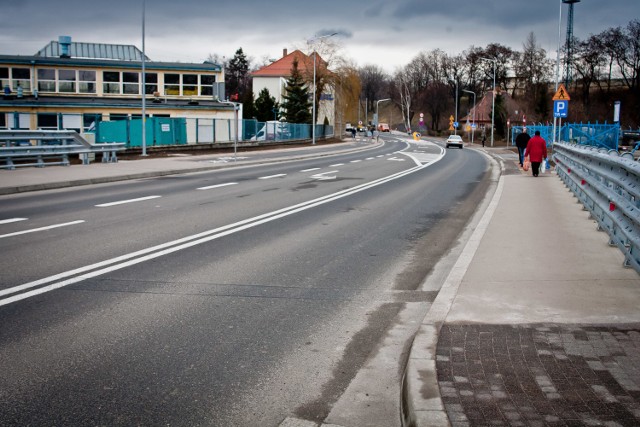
{"type": "Point", "coordinates": [540, 374]}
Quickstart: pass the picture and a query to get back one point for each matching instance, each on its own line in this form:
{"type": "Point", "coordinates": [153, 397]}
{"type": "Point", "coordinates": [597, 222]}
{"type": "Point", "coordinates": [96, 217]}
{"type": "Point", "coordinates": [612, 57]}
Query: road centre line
{"type": "Point", "coordinates": [280, 175]}
{"type": "Point", "coordinates": [114, 264]}
{"type": "Point", "coordinates": [10, 220]}
{"type": "Point", "coordinates": [310, 170]}
{"type": "Point", "coordinates": [34, 230]}
{"type": "Point", "coordinates": [336, 165]}
{"type": "Point", "coordinates": [122, 202]}
{"type": "Point", "coordinates": [355, 161]}
{"type": "Point", "coordinates": [210, 187]}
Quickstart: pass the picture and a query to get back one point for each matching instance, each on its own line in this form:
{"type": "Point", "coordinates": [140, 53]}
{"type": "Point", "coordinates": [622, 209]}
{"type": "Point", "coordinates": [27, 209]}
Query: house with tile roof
{"type": "Point", "coordinates": [274, 77]}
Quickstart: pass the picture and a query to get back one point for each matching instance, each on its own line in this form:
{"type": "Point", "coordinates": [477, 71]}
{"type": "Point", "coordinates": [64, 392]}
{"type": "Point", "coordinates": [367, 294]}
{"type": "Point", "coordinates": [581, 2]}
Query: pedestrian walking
{"type": "Point", "coordinates": [521, 142]}
{"type": "Point", "coordinates": [537, 151]}
{"type": "Point", "coordinates": [484, 139]}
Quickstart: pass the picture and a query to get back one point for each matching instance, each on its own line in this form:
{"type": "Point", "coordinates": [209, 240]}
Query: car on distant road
{"type": "Point", "coordinates": [455, 140]}
{"type": "Point", "coordinates": [383, 127]}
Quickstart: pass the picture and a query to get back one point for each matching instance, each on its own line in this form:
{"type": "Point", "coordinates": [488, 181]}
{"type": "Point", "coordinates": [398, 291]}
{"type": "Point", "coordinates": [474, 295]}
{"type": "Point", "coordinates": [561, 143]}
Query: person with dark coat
{"type": "Point", "coordinates": [521, 142]}
{"type": "Point", "coordinates": [537, 151]}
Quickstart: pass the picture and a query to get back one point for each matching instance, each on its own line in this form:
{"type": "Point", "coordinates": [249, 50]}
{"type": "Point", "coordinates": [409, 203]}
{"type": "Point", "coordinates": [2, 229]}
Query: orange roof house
{"type": "Point", "coordinates": [274, 78]}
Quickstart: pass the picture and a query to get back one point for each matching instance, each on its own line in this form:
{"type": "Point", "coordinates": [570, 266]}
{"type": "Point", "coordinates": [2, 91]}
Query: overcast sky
{"type": "Point", "coordinates": [388, 33]}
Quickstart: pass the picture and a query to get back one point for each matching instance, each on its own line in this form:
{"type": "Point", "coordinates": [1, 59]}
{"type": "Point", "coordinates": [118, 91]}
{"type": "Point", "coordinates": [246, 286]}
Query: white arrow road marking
{"type": "Point", "coordinates": [50, 227]}
{"type": "Point", "coordinates": [322, 176]}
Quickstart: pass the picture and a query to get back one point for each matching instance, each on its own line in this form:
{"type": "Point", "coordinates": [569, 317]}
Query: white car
{"type": "Point", "coordinates": [454, 140]}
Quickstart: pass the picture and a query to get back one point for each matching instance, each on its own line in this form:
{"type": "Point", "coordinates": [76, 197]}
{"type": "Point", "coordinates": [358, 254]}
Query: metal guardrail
{"type": "Point", "coordinates": [608, 185]}
{"type": "Point", "coordinates": [18, 149]}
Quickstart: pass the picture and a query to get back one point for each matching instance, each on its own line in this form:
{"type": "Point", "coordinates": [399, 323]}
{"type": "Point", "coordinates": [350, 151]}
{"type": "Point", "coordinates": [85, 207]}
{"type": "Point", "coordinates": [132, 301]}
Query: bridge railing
{"type": "Point", "coordinates": [608, 185]}
{"type": "Point", "coordinates": [21, 148]}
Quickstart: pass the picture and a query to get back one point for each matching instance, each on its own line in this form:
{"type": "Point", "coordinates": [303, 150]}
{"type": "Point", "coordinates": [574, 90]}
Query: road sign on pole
{"type": "Point", "coordinates": [561, 94]}
{"type": "Point", "coordinates": [560, 108]}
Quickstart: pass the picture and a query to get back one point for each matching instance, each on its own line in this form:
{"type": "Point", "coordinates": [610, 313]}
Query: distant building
{"type": "Point", "coordinates": [73, 85]}
{"type": "Point", "coordinates": [274, 78]}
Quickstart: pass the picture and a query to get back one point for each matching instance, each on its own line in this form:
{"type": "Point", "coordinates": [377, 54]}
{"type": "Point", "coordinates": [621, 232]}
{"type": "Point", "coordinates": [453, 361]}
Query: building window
{"type": "Point", "coordinates": [118, 116]}
{"type": "Point", "coordinates": [21, 77]}
{"type": "Point", "coordinates": [172, 84]}
{"type": "Point", "coordinates": [131, 83]}
{"type": "Point", "coordinates": [4, 76]}
{"type": "Point", "coordinates": [151, 83]}
{"type": "Point", "coordinates": [47, 80]}
{"type": "Point", "coordinates": [67, 81]}
{"type": "Point", "coordinates": [111, 82]}
{"type": "Point", "coordinates": [86, 81]}
{"type": "Point", "coordinates": [189, 84]}
{"type": "Point", "coordinates": [3, 121]}
{"type": "Point", "coordinates": [47, 121]}
{"type": "Point", "coordinates": [206, 85]}
{"type": "Point", "coordinates": [90, 121]}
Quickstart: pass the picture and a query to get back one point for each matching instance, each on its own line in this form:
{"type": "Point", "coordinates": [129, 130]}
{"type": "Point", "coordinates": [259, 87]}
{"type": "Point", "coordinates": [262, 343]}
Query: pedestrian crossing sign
{"type": "Point", "coordinates": [561, 94]}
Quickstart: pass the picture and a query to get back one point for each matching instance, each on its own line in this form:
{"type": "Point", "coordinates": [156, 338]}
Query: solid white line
{"type": "Point", "coordinates": [309, 170]}
{"type": "Point", "coordinates": [33, 230]}
{"type": "Point", "coordinates": [336, 165]}
{"type": "Point", "coordinates": [273, 176]}
{"type": "Point", "coordinates": [122, 202]}
{"type": "Point", "coordinates": [8, 221]}
{"type": "Point", "coordinates": [217, 186]}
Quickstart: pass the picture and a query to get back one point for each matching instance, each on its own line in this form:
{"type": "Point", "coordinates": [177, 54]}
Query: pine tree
{"type": "Point", "coordinates": [237, 76]}
{"type": "Point", "coordinates": [297, 104]}
{"type": "Point", "coordinates": [264, 106]}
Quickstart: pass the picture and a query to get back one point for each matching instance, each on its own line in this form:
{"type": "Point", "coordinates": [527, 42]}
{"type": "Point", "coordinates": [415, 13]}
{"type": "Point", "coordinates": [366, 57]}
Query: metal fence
{"type": "Point", "coordinates": [164, 131]}
{"type": "Point", "coordinates": [591, 134]}
{"type": "Point", "coordinates": [608, 185]}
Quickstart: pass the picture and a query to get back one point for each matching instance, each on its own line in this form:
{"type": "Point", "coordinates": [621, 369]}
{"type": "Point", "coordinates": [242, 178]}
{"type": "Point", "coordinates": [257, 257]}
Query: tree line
{"type": "Point", "coordinates": [605, 68]}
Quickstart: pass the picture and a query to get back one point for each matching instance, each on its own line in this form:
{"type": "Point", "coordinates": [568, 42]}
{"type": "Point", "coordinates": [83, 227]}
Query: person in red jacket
{"type": "Point", "coordinates": [536, 150]}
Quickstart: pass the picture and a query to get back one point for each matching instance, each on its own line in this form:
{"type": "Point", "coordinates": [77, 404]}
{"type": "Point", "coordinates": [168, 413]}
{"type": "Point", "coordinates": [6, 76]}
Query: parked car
{"type": "Point", "coordinates": [383, 127]}
{"type": "Point", "coordinates": [454, 140]}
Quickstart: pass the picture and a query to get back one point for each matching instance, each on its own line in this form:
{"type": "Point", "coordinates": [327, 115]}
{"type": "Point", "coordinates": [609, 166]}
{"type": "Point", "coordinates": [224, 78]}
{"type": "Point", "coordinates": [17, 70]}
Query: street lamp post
{"type": "Point", "coordinates": [473, 127]}
{"type": "Point", "coordinates": [493, 102]}
{"type": "Point", "coordinates": [144, 89]}
{"type": "Point", "coordinates": [313, 124]}
{"type": "Point", "coordinates": [377, 117]}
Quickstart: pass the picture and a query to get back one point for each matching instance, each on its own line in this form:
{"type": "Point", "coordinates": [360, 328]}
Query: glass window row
{"type": "Point", "coordinates": [51, 80]}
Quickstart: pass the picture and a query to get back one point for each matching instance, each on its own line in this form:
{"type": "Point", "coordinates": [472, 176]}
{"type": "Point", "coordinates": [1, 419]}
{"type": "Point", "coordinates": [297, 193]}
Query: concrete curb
{"type": "Point", "coordinates": [423, 403]}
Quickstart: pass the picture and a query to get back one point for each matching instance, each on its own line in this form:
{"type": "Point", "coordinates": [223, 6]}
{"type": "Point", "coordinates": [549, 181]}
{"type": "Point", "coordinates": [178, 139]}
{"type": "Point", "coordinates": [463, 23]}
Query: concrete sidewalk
{"type": "Point", "coordinates": [538, 323]}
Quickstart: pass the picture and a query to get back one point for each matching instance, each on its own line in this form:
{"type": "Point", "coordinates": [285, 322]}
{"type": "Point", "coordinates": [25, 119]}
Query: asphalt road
{"type": "Point", "coordinates": [237, 297]}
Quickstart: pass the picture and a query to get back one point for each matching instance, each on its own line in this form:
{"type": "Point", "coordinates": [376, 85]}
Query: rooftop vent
{"type": "Point", "coordinates": [65, 43]}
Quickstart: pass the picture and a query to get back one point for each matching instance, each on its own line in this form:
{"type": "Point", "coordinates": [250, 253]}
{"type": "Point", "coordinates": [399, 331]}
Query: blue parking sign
{"type": "Point", "coordinates": [560, 108]}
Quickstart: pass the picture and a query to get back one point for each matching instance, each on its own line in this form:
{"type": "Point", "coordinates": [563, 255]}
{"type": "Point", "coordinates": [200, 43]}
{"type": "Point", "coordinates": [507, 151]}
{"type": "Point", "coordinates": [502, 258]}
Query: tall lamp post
{"type": "Point", "coordinates": [473, 128]}
{"type": "Point", "coordinates": [313, 124]}
{"type": "Point", "coordinates": [378, 102]}
{"type": "Point", "coordinates": [144, 89]}
{"type": "Point", "coordinates": [493, 102]}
